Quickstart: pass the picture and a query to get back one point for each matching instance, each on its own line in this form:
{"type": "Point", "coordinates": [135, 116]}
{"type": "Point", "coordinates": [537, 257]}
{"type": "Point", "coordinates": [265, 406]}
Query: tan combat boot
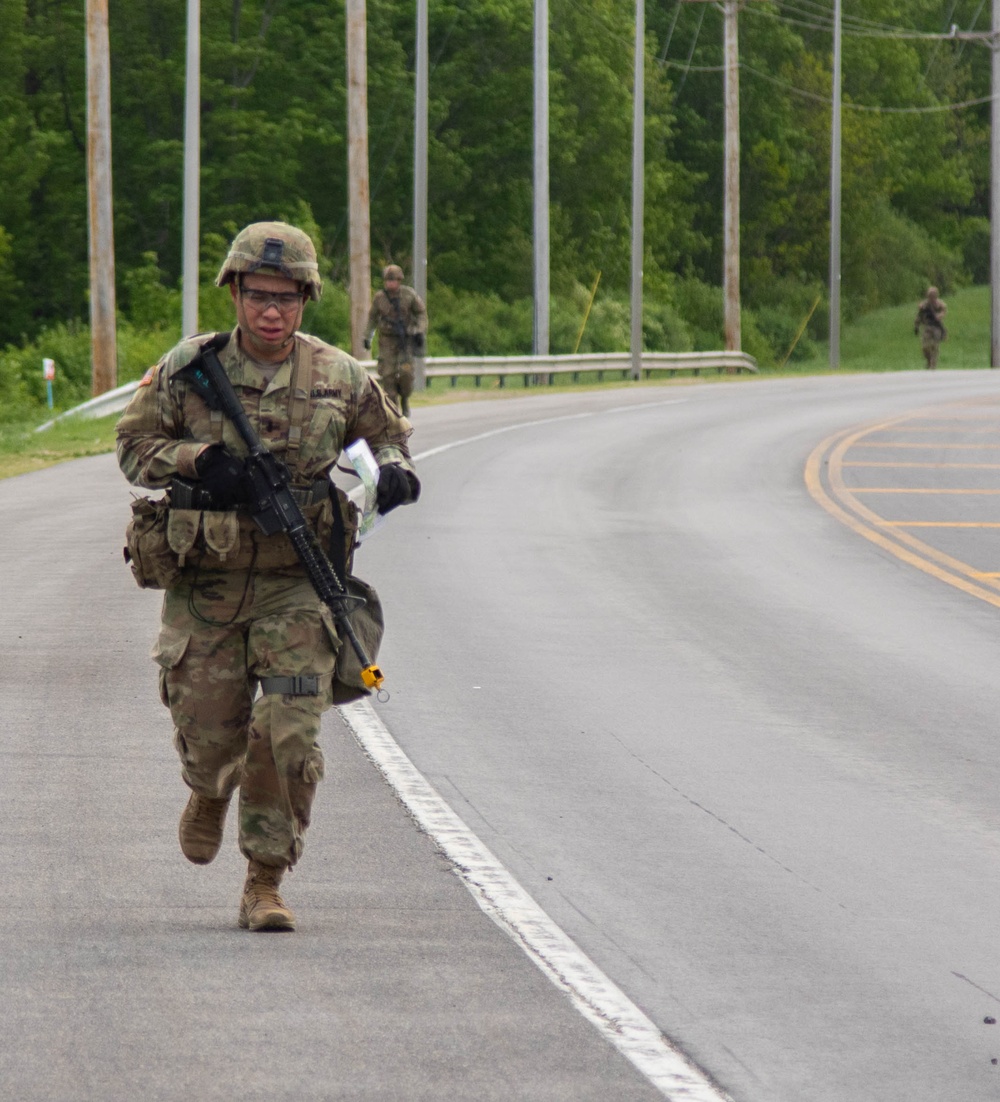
{"type": "Point", "coordinates": [261, 907]}
{"type": "Point", "coordinates": [200, 829]}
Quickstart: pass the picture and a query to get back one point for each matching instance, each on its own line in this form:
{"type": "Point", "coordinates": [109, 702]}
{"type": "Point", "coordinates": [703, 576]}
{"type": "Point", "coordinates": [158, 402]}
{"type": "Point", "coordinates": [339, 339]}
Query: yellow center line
{"type": "Point", "coordinates": [849, 511]}
{"type": "Point", "coordinates": [929, 419]}
{"type": "Point", "coordinates": [925, 466]}
{"type": "Point", "coordinates": [945, 427]}
{"type": "Point", "coordinates": [914, 490]}
{"type": "Point", "coordinates": [919, 444]}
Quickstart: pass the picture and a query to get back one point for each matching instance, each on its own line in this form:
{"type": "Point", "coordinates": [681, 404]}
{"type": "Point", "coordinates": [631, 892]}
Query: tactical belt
{"type": "Point", "coordinates": [290, 686]}
{"type": "Point", "coordinates": [185, 494]}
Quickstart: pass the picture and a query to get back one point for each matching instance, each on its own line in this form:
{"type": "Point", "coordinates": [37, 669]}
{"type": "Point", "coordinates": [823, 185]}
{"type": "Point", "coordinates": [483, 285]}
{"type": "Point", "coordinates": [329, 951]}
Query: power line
{"type": "Point", "coordinates": [694, 43]}
{"type": "Point", "coordinates": [693, 68]}
{"type": "Point", "coordinates": [820, 19]}
{"type": "Point", "coordinates": [865, 28]}
{"type": "Point", "coordinates": [928, 109]}
{"type": "Point", "coordinates": [670, 32]}
{"type": "Point", "coordinates": [851, 24]}
{"type": "Point", "coordinates": [863, 106]}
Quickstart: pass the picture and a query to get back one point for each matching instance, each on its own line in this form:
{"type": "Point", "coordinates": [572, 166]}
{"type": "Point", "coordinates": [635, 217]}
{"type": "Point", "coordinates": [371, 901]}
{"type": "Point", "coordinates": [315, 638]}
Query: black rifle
{"type": "Point", "coordinates": [410, 344]}
{"type": "Point", "coordinates": [399, 326]}
{"type": "Point", "coordinates": [275, 509]}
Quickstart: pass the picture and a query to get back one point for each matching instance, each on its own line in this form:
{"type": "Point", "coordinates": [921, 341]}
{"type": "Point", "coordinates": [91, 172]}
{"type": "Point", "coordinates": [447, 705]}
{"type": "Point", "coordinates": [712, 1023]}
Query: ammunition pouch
{"type": "Point", "coordinates": [166, 535]}
{"type": "Point", "coordinates": [147, 550]}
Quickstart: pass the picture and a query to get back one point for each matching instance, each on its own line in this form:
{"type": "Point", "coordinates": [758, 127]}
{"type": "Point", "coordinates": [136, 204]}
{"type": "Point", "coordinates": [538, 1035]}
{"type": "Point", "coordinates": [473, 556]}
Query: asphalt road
{"type": "Point", "coordinates": [645, 644]}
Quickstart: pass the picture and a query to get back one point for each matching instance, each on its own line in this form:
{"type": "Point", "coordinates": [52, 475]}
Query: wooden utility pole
{"type": "Point", "coordinates": [835, 192]}
{"type": "Point", "coordinates": [104, 359]}
{"type": "Point", "coordinates": [638, 184]}
{"type": "Point", "coordinates": [192, 170]}
{"type": "Point", "coordinates": [731, 173]}
{"type": "Point", "coordinates": [358, 195]}
{"type": "Point", "coordinates": [420, 178]}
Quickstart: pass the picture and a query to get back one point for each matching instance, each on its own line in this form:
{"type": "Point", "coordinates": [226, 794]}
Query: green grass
{"type": "Point", "coordinates": [882, 341]}
{"type": "Point", "coordinates": [22, 449]}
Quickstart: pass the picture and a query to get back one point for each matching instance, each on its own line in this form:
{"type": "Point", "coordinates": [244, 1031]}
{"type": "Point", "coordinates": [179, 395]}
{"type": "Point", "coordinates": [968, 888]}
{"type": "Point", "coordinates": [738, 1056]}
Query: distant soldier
{"type": "Point", "coordinates": [400, 316]}
{"type": "Point", "coordinates": [929, 324]}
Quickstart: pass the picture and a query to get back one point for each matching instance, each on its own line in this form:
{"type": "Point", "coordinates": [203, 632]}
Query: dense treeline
{"type": "Point", "coordinates": [915, 171]}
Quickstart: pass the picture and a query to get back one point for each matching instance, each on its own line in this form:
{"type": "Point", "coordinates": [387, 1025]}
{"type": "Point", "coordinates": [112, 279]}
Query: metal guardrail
{"type": "Point", "coordinates": [111, 401]}
{"type": "Point", "coordinates": [534, 369]}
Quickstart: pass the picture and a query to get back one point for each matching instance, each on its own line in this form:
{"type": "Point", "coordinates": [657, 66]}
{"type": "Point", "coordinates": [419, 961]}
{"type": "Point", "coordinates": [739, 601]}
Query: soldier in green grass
{"type": "Point", "coordinates": [929, 326]}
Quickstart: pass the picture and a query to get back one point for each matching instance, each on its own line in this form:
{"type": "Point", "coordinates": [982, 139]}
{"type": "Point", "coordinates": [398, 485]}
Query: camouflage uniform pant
{"type": "Point", "coordinates": [267, 625]}
{"type": "Point", "coordinates": [395, 373]}
{"type": "Point", "coordinates": [930, 341]}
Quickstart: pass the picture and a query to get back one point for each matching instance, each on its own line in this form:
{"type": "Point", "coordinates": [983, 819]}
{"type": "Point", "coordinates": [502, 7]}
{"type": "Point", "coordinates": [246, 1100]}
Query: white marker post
{"type": "Point", "coordinates": [49, 373]}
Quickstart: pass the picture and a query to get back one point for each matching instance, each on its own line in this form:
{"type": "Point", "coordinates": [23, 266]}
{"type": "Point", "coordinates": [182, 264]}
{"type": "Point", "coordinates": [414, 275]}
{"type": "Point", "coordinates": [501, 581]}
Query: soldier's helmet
{"type": "Point", "coordinates": [393, 271]}
{"type": "Point", "coordinates": [273, 248]}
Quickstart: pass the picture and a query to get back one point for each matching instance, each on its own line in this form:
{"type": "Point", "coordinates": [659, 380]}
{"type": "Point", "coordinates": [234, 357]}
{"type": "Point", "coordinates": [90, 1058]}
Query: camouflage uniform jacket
{"type": "Point", "coordinates": [166, 424]}
{"type": "Point", "coordinates": [931, 313]}
{"type": "Point", "coordinates": [397, 317]}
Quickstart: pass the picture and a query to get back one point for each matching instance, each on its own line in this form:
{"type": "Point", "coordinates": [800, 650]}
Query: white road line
{"type": "Point", "coordinates": [545, 421]}
{"type": "Point", "coordinates": [519, 916]}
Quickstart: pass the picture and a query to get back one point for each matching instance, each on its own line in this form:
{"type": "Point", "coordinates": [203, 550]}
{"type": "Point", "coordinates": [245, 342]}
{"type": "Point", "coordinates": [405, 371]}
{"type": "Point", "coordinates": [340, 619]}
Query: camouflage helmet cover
{"type": "Point", "coordinates": [273, 247]}
{"type": "Point", "coordinates": [393, 271]}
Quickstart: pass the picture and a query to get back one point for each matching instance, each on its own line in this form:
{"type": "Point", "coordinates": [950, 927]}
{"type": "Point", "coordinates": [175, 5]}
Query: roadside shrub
{"type": "Point", "coordinates": [145, 301]}
{"type": "Point", "coordinates": [480, 324]}
{"type": "Point", "coordinates": [22, 385]}
{"type": "Point", "coordinates": [701, 306]}
{"type": "Point", "coordinates": [778, 329]}
{"type": "Point", "coordinates": [330, 318]}
{"type": "Point", "coordinates": [663, 330]}
{"type": "Point", "coordinates": [69, 346]}
{"type": "Point", "coordinates": [886, 256]}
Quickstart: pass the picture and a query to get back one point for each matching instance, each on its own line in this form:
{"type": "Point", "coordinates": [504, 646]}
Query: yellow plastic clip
{"type": "Point", "coordinates": [372, 677]}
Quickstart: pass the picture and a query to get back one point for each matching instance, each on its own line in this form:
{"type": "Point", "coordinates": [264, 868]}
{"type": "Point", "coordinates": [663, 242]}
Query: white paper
{"type": "Point", "coordinates": [365, 496]}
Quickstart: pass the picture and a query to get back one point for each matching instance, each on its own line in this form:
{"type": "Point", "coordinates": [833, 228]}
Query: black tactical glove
{"type": "Point", "coordinates": [223, 476]}
{"type": "Point", "coordinates": [418, 342]}
{"type": "Point", "coordinates": [396, 486]}
{"type": "Point", "coordinates": [367, 342]}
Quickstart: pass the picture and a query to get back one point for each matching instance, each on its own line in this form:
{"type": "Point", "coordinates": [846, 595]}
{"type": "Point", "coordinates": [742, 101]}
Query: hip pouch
{"type": "Point", "coordinates": [147, 551]}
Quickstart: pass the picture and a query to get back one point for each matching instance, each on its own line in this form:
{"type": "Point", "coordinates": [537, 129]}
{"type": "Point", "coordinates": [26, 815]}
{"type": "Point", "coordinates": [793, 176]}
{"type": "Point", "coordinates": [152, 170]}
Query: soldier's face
{"type": "Point", "coordinates": [267, 325]}
{"type": "Point", "coordinates": [392, 286]}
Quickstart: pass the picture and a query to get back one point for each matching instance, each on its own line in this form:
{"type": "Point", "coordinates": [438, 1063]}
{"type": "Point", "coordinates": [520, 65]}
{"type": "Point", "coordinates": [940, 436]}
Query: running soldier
{"type": "Point", "coordinates": [400, 316]}
{"type": "Point", "coordinates": [249, 656]}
